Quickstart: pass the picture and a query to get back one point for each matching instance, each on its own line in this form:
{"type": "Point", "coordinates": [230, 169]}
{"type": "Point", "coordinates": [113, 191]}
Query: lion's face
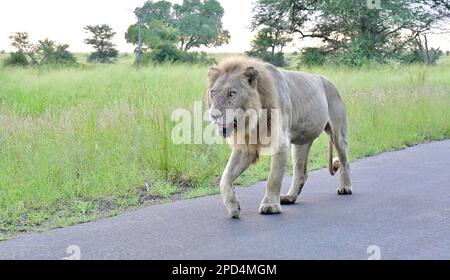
{"type": "Point", "coordinates": [229, 95]}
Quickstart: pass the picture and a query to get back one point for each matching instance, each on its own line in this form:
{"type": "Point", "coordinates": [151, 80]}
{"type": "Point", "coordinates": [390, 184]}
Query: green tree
{"type": "Point", "coordinates": [56, 54]}
{"type": "Point", "coordinates": [268, 45]}
{"type": "Point", "coordinates": [155, 19]}
{"type": "Point", "coordinates": [353, 30]}
{"type": "Point", "coordinates": [200, 24]}
{"type": "Point", "coordinates": [154, 34]}
{"type": "Point", "coordinates": [154, 29]}
{"type": "Point", "coordinates": [273, 35]}
{"type": "Point", "coordinates": [20, 40]}
{"type": "Point", "coordinates": [44, 52]}
{"type": "Point", "coordinates": [162, 27]}
{"type": "Point", "coordinates": [101, 41]}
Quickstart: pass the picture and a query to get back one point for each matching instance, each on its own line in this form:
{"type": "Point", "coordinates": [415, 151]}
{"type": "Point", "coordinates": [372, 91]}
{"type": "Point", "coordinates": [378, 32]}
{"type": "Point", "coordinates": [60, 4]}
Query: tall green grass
{"type": "Point", "coordinates": [80, 143]}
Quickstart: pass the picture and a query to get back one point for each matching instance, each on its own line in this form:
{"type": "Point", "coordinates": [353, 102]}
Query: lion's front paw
{"type": "Point", "coordinates": [233, 209]}
{"type": "Point", "coordinates": [267, 208]}
{"type": "Point", "coordinates": [344, 190]}
{"type": "Point", "coordinates": [287, 199]}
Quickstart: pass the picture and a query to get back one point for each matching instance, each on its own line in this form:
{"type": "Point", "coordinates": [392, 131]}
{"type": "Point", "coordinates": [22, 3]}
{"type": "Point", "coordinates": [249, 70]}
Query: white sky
{"type": "Point", "coordinates": [63, 21]}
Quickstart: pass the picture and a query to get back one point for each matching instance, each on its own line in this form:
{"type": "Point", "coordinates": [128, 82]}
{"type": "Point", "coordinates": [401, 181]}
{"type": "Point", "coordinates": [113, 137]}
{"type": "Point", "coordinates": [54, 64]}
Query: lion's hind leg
{"type": "Point", "coordinates": [338, 134]}
{"type": "Point", "coordinates": [300, 162]}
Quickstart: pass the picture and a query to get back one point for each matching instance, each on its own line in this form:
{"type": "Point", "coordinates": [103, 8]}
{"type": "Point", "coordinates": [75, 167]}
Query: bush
{"type": "Point", "coordinates": [165, 53]}
{"type": "Point", "coordinates": [411, 57]}
{"type": "Point", "coordinates": [417, 56]}
{"type": "Point", "coordinates": [355, 56]}
{"type": "Point", "coordinates": [312, 56]}
{"type": "Point", "coordinates": [106, 57]}
{"type": "Point", "coordinates": [51, 53]}
{"type": "Point", "coordinates": [435, 54]}
{"type": "Point", "coordinates": [277, 59]}
{"type": "Point", "coordinates": [60, 56]}
{"type": "Point", "coordinates": [361, 51]}
{"type": "Point", "coordinates": [16, 59]}
{"type": "Point", "coordinates": [197, 58]}
{"type": "Point", "coordinates": [170, 54]}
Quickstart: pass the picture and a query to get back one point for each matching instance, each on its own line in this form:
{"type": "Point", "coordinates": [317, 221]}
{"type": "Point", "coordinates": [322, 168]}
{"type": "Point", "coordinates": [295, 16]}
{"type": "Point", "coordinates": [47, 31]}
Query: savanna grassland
{"type": "Point", "coordinates": [92, 141]}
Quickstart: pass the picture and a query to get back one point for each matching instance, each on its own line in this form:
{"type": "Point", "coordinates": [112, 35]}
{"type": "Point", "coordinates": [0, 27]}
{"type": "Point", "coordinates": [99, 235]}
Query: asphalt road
{"type": "Point", "coordinates": [401, 204]}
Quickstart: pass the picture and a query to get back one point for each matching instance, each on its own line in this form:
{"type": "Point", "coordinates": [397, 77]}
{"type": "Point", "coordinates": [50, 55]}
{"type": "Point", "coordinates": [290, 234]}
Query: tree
{"type": "Point", "coordinates": [154, 29]}
{"type": "Point", "coordinates": [20, 40]}
{"type": "Point", "coordinates": [272, 30]}
{"type": "Point", "coordinates": [52, 53]}
{"type": "Point", "coordinates": [153, 34]}
{"type": "Point", "coordinates": [44, 52]}
{"type": "Point", "coordinates": [271, 38]}
{"type": "Point", "coordinates": [200, 24]}
{"type": "Point", "coordinates": [353, 30]}
{"type": "Point", "coordinates": [162, 26]}
{"type": "Point", "coordinates": [101, 41]}
{"type": "Point", "coordinates": [267, 42]}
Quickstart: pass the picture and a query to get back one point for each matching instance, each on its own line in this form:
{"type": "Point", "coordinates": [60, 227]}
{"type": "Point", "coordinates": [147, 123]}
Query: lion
{"type": "Point", "coordinates": [307, 105]}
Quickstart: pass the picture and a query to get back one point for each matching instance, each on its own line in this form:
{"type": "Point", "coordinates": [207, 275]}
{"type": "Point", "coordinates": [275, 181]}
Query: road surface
{"type": "Point", "coordinates": [400, 209]}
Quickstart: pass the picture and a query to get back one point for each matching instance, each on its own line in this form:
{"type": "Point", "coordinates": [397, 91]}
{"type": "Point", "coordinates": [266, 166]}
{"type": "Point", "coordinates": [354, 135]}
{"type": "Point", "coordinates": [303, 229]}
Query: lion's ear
{"type": "Point", "coordinates": [251, 75]}
{"type": "Point", "coordinates": [213, 74]}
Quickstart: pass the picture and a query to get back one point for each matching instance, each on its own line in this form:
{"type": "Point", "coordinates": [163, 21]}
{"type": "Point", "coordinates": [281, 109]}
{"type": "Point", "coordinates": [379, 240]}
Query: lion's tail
{"type": "Point", "coordinates": [333, 163]}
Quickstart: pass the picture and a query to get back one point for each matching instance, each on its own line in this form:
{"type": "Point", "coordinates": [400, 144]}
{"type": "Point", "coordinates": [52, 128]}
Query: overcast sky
{"type": "Point", "coordinates": [63, 21]}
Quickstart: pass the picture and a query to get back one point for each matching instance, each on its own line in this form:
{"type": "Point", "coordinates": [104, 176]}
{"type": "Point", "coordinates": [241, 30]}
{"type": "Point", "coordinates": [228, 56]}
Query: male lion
{"type": "Point", "coordinates": [307, 104]}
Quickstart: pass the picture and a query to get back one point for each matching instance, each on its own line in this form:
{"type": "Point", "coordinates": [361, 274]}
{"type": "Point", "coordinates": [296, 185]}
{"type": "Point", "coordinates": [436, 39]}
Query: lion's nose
{"type": "Point", "coordinates": [215, 114]}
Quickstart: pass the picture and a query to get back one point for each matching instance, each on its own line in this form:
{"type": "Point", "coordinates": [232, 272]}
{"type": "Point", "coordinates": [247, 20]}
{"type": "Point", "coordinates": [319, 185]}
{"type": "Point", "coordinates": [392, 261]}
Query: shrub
{"type": "Point", "coordinates": [54, 54]}
{"type": "Point", "coordinates": [170, 54]}
{"type": "Point", "coordinates": [106, 57]}
{"type": "Point", "coordinates": [165, 53]}
{"type": "Point", "coordinates": [197, 58]}
{"type": "Point", "coordinates": [277, 59]}
{"type": "Point", "coordinates": [411, 57]}
{"type": "Point", "coordinates": [435, 54]}
{"type": "Point", "coordinates": [312, 56]}
{"type": "Point", "coordinates": [356, 55]}
{"type": "Point", "coordinates": [16, 59]}
{"type": "Point", "coordinates": [417, 56]}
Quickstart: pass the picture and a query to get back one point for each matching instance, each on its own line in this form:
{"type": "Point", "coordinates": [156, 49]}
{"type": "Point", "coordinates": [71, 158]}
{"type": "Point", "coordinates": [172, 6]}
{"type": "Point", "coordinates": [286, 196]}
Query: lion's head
{"type": "Point", "coordinates": [234, 87]}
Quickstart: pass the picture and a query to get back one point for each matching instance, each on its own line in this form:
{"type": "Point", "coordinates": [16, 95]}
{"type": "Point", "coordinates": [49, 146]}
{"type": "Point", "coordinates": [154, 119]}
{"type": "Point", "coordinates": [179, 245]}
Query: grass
{"type": "Point", "coordinates": [82, 143]}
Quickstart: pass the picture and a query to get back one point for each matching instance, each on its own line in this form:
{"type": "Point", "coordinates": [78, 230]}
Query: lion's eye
{"type": "Point", "coordinates": [212, 93]}
{"type": "Point", "coordinates": [232, 93]}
